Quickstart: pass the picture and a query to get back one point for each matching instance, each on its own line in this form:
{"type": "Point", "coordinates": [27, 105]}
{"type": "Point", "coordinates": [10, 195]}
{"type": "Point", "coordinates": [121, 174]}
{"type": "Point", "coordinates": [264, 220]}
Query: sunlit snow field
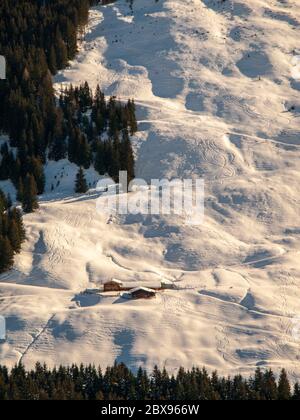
{"type": "Point", "coordinates": [217, 97]}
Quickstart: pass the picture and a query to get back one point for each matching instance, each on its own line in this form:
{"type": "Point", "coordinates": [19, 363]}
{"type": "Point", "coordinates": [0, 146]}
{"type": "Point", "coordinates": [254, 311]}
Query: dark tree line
{"type": "Point", "coordinates": [38, 38]}
{"type": "Point", "coordinates": [119, 383]}
{"type": "Point", "coordinates": [12, 232]}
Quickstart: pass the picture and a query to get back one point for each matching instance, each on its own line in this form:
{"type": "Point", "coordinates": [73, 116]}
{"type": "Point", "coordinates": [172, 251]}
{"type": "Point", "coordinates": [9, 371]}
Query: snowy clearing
{"type": "Point", "coordinates": [213, 86]}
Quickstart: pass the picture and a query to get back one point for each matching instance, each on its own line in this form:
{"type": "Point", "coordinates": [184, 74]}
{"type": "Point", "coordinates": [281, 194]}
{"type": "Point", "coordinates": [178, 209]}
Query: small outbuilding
{"type": "Point", "coordinates": [167, 284]}
{"type": "Point", "coordinates": [142, 293]}
{"type": "Point", "coordinates": [113, 285]}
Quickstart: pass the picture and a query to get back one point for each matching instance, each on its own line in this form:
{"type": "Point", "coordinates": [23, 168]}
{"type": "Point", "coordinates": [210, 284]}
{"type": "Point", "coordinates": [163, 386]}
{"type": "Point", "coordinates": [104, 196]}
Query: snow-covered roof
{"type": "Point", "coordinates": [145, 289]}
{"type": "Point", "coordinates": [114, 281]}
{"type": "Point", "coordinates": [92, 290]}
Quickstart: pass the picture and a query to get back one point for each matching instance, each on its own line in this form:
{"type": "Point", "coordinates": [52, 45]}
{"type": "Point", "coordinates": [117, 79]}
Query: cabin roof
{"type": "Point", "coordinates": [114, 281]}
{"type": "Point", "coordinates": [144, 289]}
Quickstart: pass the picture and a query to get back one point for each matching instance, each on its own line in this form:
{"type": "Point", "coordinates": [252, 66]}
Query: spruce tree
{"type": "Point", "coordinates": [269, 388]}
{"type": "Point", "coordinates": [296, 394]}
{"type": "Point", "coordinates": [14, 235]}
{"type": "Point", "coordinates": [52, 60]}
{"type": "Point", "coordinates": [30, 201]}
{"type": "Point", "coordinates": [20, 190]}
{"type": "Point", "coordinates": [99, 159]}
{"type": "Point", "coordinates": [127, 156]}
{"type": "Point", "coordinates": [284, 388]}
{"type": "Point", "coordinates": [17, 216]}
{"type": "Point", "coordinates": [37, 170]}
{"type": "Point", "coordinates": [81, 184]}
{"type": "Point", "coordinates": [6, 254]}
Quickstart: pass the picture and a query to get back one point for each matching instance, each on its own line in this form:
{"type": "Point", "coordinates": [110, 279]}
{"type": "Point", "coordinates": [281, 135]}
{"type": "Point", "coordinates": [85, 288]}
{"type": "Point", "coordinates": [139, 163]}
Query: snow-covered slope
{"type": "Point", "coordinates": [215, 87]}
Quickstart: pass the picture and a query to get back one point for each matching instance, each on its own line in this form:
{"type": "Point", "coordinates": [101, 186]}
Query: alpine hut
{"type": "Point", "coordinates": [142, 293]}
{"type": "Point", "coordinates": [113, 285]}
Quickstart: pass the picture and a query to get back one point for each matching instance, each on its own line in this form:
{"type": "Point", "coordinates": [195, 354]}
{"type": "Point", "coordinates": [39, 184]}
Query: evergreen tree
{"type": "Point", "coordinates": [269, 386]}
{"type": "Point", "coordinates": [20, 190]}
{"type": "Point", "coordinates": [81, 184]}
{"type": "Point", "coordinates": [17, 216]}
{"type": "Point", "coordinates": [52, 61]}
{"type": "Point", "coordinates": [284, 388]}
{"type": "Point", "coordinates": [12, 232]}
{"type": "Point", "coordinates": [14, 235]}
{"type": "Point", "coordinates": [6, 254]}
{"type": "Point", "coordinates": [30, 202]}
{"type": "Point", "coordinates": [62, 51]}
{"type": "Point", "coordinates": [132, 118]}
{"type": "Point", "coordinates": [296, 395]}
{"type": "Point", "coordinates": [100, 159]}
{"type": "Point", "coordinates": [37, 170]}
{"type": "Point", "coordinates": [126, 156]}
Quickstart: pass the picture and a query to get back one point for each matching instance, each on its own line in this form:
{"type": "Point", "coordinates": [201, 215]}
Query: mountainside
{"type": "Point", "coordinates": [217, 95]}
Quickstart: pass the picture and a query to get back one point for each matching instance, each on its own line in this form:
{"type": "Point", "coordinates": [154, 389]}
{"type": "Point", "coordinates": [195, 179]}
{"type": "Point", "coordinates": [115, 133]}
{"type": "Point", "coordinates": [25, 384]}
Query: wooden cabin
{"type": "Point", "coordinates": [142, 293]}
{"type": "Point", "coordinates": [113, 285]}
{"type": "Point", "coordinates": [167, 284]}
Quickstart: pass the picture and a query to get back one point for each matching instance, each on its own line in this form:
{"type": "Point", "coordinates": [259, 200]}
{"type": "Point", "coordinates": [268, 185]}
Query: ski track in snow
{"type": "Point", "coordinates": [35, 339]}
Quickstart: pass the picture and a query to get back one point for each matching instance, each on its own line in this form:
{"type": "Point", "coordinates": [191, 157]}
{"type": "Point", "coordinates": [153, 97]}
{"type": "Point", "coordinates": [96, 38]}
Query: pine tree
{"type": "Point", "coordinates": [284, 388]}
{"type": "Point", "coordinates": [20, 190]}
{"type": "Point", "coordinates": [99, 159]}
{"type": "Point", "coordinates": [62, 52]}
{"type": "Point", "coordinates": [132, 118]}
{"type": "Point", "coordinates": [81, 184]}
{"type": "Point", "coordinates": [52, 60]}
{"type": "Point", "coordinates": [269, 389]}
{"type": "Point", "coordinates": [37, 170]}
{"type": "Point", "coordinates": [296, 394]}
{"type": "Point", "coordinates": [30, 202]}
{"type": "Point", "coordinates": [126, 156]}
{"type": "Point", "coordinates": [6, 254]}
{"type": "Point", "coordinates": [16, 214]}
{"type": "Point", "coordinates": [14, 235]}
